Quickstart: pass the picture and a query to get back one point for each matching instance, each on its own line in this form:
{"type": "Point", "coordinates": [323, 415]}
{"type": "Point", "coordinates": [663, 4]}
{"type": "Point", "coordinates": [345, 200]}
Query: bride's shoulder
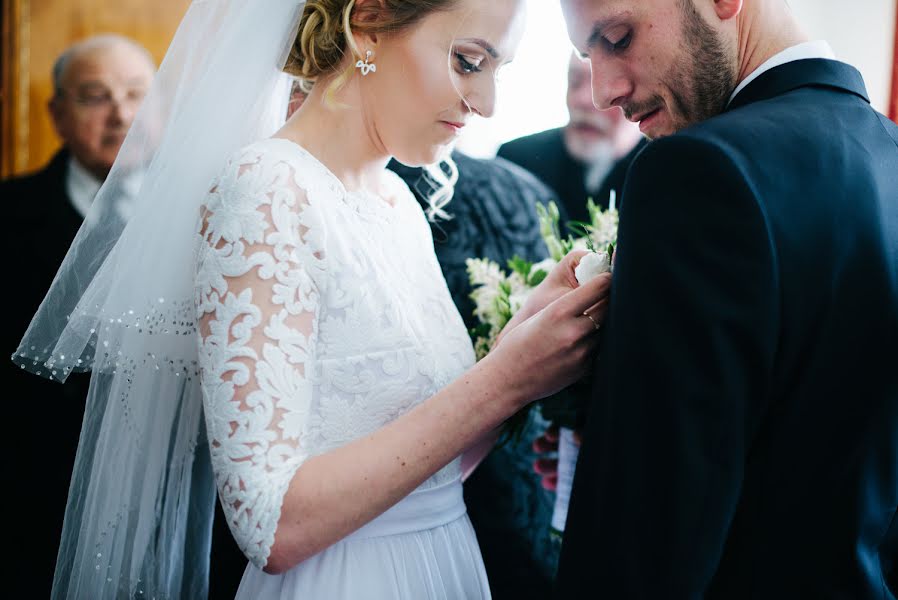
{"type": "Point", "coordinates": [272, 152]}
{"type": "Point", "coordinates": [272, 162]}
{"type": "Point", "coordinates": [268, 172]}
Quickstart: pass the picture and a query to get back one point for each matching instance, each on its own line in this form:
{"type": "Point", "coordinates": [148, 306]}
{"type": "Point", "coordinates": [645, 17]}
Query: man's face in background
{"type": "Point", "coordinates": [591, 134]}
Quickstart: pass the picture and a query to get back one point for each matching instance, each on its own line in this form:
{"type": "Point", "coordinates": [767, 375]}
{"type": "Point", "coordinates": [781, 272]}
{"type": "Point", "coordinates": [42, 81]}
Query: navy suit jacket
{"type": "Point", "coordinates": [743, 437]}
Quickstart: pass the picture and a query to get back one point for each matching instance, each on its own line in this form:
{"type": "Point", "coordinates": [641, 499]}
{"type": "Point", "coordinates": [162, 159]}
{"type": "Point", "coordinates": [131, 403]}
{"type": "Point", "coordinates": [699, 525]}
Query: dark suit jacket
{"type": "Point", "coordinates": [743, 442]}
{"type": "Point", "coordinates": [494, 217]}
{"type": "Point", "coordinates": [47, 416]}
{"type": "Point", "coordinates": [545, 155]}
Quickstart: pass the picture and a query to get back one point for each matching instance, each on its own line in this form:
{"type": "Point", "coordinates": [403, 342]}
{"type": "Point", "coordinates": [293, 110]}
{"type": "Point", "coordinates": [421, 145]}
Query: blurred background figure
{"type": "Point", "coordinates": [588, 157]}
{"type": "Point", "coordinates": [98, 85]}
{"type": "Point", "coordinates": [493, 216]}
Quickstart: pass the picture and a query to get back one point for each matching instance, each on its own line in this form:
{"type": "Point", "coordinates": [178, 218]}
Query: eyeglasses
{"type": "Point", "coordinates": [105, 99]}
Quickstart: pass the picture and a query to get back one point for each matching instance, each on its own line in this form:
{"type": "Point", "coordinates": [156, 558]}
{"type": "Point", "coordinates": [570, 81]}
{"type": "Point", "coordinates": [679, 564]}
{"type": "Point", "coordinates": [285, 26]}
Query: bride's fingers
{"type": "Point", "coordinates": [599, 310]}
{"type": "Point", "coordinates": [569, 265]}
{"type": "Point", "coordinates": [577, 301]}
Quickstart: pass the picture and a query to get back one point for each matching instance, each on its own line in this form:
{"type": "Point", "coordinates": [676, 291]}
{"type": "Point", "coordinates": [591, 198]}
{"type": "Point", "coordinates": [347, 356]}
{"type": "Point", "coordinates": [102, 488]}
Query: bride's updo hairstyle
{"type": "Point", "coordinates": [325, 37]}
{"type": "Point", "coordinates": [327, 26]}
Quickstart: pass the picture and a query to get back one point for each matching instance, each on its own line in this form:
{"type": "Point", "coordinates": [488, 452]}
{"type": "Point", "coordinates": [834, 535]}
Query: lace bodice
{"type": "Point", "coordinates": [323, 316]}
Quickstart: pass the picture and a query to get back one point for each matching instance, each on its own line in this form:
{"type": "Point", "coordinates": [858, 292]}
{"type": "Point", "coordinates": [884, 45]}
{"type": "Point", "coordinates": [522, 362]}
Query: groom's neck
{"type": "Point", "coordinates": [765, 28]}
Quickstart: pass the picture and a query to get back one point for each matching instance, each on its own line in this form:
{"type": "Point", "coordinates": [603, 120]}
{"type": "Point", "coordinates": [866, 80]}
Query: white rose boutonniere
{"type": "Point", "coordinates": [592, 265]}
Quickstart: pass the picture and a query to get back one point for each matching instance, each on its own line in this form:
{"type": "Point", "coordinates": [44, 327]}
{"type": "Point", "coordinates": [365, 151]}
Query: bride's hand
{"type": "Point", "coordinates": [557, 283]}
{"type": "Point", "coordinates": [555, 346]}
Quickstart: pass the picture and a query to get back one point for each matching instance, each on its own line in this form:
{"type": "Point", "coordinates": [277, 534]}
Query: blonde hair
{"type": "Point", "coordinates": [324, 38]}
{"type": "Point", "coordinates": [326, 34]}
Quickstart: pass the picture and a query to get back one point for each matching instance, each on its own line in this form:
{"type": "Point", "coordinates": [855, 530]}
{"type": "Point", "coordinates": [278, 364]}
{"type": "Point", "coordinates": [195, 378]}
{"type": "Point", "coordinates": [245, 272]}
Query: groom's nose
{"type": "Point", "coordinates": [611, 85]}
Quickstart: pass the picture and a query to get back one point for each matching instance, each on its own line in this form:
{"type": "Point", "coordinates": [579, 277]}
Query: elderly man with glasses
{"type": "Point", "coordinates": [99, 84]}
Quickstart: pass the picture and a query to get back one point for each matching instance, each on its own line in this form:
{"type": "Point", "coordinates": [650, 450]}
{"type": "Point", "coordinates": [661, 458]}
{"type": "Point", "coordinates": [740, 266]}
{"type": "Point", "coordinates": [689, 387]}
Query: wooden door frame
{"type": "Point", "coordinates": [14, 86]}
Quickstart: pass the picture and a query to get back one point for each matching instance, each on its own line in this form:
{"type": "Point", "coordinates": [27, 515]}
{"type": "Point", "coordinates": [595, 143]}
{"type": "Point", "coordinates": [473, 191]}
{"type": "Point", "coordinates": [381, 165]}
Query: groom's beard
{"type": "Point", "coordinates": [713, 72]}
{"type": "Point", "coordinates": [701, 81]}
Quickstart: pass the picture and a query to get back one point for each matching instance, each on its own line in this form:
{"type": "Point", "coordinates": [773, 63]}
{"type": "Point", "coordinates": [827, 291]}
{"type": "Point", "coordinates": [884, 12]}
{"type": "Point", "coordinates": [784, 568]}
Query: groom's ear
{"type": "Point", "coordinates": [727, 9]}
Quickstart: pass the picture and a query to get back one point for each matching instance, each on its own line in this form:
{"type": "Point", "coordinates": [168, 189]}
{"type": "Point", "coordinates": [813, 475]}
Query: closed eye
{"type": "Point", "coordinates": [466, 66]}
{"type": "Point", "coordinates": [621, 44]}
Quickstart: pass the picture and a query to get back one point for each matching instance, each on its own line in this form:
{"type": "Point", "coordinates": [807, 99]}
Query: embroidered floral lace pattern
{"type": "Point", "coordinates": [323, 316]}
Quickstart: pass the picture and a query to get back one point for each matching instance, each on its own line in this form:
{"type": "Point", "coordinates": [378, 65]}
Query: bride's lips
{"type": "Point", "coordinates": [453, 126]}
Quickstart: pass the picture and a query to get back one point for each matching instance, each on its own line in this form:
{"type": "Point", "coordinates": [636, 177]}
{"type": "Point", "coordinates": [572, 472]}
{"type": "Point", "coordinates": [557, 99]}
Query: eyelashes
{"type": "Point", "coordinates": [620, 45]}
{"type": "Point", "coordinates": [465, 66]}
{"type": "Point", "coordinates": [623, 44]}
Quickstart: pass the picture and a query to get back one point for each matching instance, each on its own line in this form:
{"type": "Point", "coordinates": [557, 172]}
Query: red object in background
{"type": "Point", "coordinates": [893, 100]}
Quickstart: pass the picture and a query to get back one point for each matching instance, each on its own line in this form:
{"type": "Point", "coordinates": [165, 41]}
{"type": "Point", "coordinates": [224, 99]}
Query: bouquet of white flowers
{"type": "Point", "coordinates": [498, 295]}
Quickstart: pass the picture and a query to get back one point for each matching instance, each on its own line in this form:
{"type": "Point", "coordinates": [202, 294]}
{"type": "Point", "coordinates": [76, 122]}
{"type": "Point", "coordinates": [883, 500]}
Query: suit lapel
{"type": "Point", "coordinates": [811, 72]}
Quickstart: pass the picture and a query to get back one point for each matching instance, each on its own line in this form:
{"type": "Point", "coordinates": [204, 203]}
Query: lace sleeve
{"type": "Point", "coordinates": [260, 268]}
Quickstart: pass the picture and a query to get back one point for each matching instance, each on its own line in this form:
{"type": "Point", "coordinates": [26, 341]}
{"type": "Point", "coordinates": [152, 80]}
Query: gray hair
{"type": "Point", "coordinates": [104, 40]}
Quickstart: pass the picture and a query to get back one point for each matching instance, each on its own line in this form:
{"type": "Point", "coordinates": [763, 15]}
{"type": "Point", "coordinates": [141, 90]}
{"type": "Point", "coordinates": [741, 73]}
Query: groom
{"type": "Point", "coordinates": [743, 436]}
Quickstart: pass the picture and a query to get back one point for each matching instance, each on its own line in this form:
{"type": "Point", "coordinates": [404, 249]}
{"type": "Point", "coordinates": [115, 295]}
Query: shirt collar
{"type": "Point", "coordinates": [81, 186]}
{"type": "Point", "coordinates": [815, 49]}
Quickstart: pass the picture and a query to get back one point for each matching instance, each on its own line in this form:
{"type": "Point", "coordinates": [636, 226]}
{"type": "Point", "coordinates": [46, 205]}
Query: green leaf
{"type": "Point", "coordinates": [520, 266]}
{"type": "Point", "coordinates": [593, 210]}
{"type": "Point", "coordinates": [566, 246]}
{"type": "Point", "coordinates": [583, 231]}
{"type": "Point", "coordinates": [549, 216]}
{"type": "Point", "coordinates": [480, 330]}
{"type": "Point", "coordinates": [537, 277]}
{"type": "Point", "coordinates": [579, 228]}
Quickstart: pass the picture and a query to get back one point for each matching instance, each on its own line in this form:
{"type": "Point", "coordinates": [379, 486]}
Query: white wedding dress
{"type": "Point", "coordinates": [324, 316]}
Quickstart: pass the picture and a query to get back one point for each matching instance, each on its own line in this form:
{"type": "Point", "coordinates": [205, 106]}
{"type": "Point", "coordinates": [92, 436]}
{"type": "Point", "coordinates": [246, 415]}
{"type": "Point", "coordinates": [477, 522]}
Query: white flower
{"type": "Point", "coordinates": [484, 272]}
{"type": "Point", "coordinates": [517, 299]}
{"type": "Point", "coordinates": [486, 277]}
{"type": "Point", "coordinates": [544, 265]}
{"type": "Point", "coordinates": [580, 244]}
{"type": "Point", "coordinates": [604, 228]}
{"type": "Point", "coordinates": [592, 265]}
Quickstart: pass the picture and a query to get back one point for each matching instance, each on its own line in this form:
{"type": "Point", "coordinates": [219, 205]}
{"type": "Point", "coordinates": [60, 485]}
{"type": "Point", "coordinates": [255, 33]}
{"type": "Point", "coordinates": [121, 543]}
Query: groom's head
{"type": "Point", "coordinates": [666, 63]}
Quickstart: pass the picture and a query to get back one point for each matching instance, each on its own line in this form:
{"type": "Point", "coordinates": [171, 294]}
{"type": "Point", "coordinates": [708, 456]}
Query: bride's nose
{"type": "Point", "coordinates": [481, 99]}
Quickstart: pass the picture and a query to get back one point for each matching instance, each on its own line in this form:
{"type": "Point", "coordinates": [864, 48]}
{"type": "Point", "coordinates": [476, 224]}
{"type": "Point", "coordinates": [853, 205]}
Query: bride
{"type": "Point", "coordinates": [312, 333]}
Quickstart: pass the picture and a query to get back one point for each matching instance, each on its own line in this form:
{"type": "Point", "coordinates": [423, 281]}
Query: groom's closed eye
{"type": "Point", "coordinates": [611, 35]}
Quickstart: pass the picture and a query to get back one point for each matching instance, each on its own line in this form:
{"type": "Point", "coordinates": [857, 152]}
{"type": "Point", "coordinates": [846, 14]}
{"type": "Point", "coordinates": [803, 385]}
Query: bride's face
{"type": "Point", "coordinates": [431, 78]}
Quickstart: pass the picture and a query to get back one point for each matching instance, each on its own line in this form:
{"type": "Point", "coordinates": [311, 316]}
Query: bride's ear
{"type": "Point", "coordinates": [364, 15]}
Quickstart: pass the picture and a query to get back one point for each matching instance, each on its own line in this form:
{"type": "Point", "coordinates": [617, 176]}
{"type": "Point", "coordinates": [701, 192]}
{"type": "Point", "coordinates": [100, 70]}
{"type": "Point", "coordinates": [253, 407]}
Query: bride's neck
{"type": "Point", "coordinates": [338, 132]}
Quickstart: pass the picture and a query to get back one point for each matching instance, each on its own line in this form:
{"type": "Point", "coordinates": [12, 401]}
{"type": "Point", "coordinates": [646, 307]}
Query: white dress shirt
{"type": "Point", "coordinates": [816, 49]}
{"type": "Point", "coordinates": [82, 188]}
